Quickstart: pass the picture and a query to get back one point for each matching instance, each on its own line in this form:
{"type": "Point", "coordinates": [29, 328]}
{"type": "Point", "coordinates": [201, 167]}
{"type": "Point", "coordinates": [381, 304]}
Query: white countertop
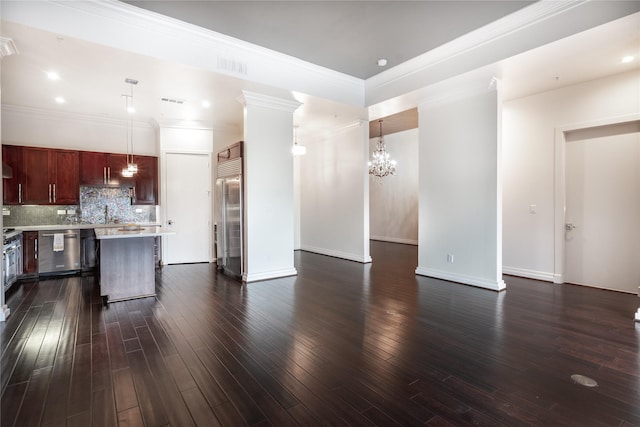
{"type": "Point", "coordinates": [75, 226]}
{"type": "Point", "coordinates": [121, 233]}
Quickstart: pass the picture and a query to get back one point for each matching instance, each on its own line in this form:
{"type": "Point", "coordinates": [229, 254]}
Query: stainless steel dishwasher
{"type": "Point", "coordinates": [58, 251]}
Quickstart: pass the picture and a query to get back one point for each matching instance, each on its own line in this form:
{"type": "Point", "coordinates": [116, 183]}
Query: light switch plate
{"type": "Point", "coordinates": [6, 212]}
{"type": "Point", "coordinates": [62, 212]}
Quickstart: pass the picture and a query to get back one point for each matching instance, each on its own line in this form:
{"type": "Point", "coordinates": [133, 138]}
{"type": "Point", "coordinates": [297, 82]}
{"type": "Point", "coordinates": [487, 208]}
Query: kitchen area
{"type": "Point", "coordinates": [56, 201]}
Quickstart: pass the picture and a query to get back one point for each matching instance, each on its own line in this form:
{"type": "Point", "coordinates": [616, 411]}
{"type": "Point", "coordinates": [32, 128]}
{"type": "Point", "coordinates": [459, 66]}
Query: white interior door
{"type": "Point", "coordinates": [188, 208]}
{"type": "Point", "coordinates": [603, 204]}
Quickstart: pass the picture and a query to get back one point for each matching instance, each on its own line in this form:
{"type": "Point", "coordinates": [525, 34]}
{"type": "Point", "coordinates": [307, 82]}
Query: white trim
{"type": "Point", "coordinates": [458, 89]}
{"type": "Point", "coordinates": [459, 278]}
{"type": "Point", "coordinates": [337, 254]}
{"type": "Point", "coordinates": [638, 315]}
{"type": "Point", "coordinates": [560, 196]}
{"type": "Point", "coordinates": [530, 274]}
{"type": "Point", "coordinates": [265, 101]}
{"type": "Point", "coordinates": [512, 23]}
{"type": "Point", "coordinates": [413, 242]}
{"type": "Point", "coordinates": [4, 312]}
{"type": "Point", "coordinates": [266, 275]}
{"type": "Point", "coordinates": [7, 47]}
{"type": "Point", "coordinates": [43, 113]}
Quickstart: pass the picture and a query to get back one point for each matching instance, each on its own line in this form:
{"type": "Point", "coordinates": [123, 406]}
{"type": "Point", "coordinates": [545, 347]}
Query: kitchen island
{"type": "Point", "coordinates": [127, 261]}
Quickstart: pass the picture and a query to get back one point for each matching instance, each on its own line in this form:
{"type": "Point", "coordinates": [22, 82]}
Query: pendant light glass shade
{"type": "Point", "coordinates": [132, 167]}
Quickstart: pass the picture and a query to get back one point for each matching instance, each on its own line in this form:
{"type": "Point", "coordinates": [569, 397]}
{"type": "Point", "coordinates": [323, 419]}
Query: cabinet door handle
{"type": "Point", "coordinates": [134, 193]}
{"type": "Point", "coordinates": [19, 193]}
{"type": "Point", "coordinates": [55, 199]}
{"type": "Point", "coordinates": [49, 193]}
{"type": "Point", "coordinates": [36, 249]}
{"type": "Point", "coordinates": [109, 174]}
{"type": "Point", "coordinates": [104, 174]}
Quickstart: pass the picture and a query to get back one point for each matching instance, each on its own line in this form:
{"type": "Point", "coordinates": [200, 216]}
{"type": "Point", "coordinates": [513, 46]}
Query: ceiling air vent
{"type": "Point", "coordinates": [232, 66]}
{"type": "Point", "coordinates": [172, 100]}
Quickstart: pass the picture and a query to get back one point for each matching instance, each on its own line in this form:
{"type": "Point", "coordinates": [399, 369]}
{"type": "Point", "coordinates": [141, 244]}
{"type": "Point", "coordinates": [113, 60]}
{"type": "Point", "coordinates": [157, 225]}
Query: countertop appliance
{"type": "Point", "coordinates": [58, 251]}
{"type": "Point", "coordinates": [11, 257]}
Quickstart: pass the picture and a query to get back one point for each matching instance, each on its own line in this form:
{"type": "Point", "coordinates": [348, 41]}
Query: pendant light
{"type": "Point", "coordinates": [132, 167]}
{"type": "Point", "coordinates": [297, 150]}
{"type": "Point", "coordinates": [381, 165]}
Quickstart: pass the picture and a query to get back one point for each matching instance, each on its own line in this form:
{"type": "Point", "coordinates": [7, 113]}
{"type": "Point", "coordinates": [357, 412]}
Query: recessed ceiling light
{"type": "Point", "coordinates": [60, 100]}
{"type": "Point", "coordinates": [52, 75]}
{"type": "Point", "coordinates": [131, 110]}
{"type": "Point", "coordinates": [382, 62]}
{"type": "Point", "coordinates": [206, 104]}
{"type": "Point", "coordinates": [628, 58]}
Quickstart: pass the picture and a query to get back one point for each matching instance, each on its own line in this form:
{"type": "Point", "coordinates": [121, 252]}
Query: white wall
{"type": "Point", "coordinates": [334, 186]}
{"type": "Point", "coordinates": [393, 200]}
{"type": "Point", "coordinates": [52, 129]}
{"type": "Point", "coordinates": [459, 190]}
{"type": "Point", "coordinates": [528, 162]}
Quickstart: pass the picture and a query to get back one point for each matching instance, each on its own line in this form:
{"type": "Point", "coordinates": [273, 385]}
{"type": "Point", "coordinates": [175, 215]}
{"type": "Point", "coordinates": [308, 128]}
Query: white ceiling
{"type": "Point", "coordinates": [346, 36]}
{"type": "Point", "coordinates": [92, 75]}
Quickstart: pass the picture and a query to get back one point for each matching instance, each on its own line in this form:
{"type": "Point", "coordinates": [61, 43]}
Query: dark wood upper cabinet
{"type": "Point", "coordinates": [145, 191]}
{"type": "Point", "coordinates": [50, 176]}
{"type": "Point", "coordinates": [12, 187]}
{"type": "Point", "coordinates": [44, 176]}
{"type": "Point", "coordinates": [103, 169]}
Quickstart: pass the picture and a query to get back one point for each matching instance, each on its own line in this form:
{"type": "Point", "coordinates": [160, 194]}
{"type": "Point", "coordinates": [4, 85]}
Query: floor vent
{"type": "Point", "coordinates": [585, 381]}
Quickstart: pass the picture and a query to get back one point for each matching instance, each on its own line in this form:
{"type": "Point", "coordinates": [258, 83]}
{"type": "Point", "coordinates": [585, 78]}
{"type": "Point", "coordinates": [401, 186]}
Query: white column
{"type": "Point", "coordinates": [268, 185]}
{"type": "Point", "coordinates": [460, 196]}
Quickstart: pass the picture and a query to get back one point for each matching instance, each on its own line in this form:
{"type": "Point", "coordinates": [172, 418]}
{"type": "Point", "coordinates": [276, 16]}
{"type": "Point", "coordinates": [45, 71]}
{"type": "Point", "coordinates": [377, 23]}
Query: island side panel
{"type": "Point", "coordinates": [127, 268]}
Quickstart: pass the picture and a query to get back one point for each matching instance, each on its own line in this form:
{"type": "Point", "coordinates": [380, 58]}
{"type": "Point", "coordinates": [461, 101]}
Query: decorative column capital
{"type": "Point", "coordinates": [7, 47]}
{"type": "Point", "coordinates": [259, 100]}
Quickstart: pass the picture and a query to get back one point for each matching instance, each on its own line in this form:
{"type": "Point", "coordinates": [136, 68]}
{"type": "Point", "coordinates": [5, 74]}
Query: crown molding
{"type": "Point", "coordinates": [46, 114]}
{"type": "Point", "coordinates": [266, 101]}
{"type": "Point", "coordinates": [459, 91]}
{"type": "Point", "coordinates": [523, 18]}
{"type": "Point", "coordinates": [7, 47]}
{"type": "Point", "coordinates": [123, 26]}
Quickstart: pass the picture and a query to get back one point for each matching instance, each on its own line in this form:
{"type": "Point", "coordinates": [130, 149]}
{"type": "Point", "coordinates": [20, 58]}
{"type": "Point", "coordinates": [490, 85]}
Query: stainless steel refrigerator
{"type": "Point", "coordinates": [229, 218]}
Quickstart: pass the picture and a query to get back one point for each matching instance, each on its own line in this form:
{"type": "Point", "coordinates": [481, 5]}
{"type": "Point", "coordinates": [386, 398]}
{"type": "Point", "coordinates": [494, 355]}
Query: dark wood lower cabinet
{"type": "Point", "coordinates": [30, 253]}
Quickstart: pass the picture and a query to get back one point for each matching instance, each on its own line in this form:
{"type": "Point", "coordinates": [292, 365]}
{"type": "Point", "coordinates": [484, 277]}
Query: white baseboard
{"type": "Point", "coordinates": [4, 313]}
{"type": "Point", "coordinates": [337, 254]}
{"type": "Point", "coordinates": [530, 274]}
{"type": "Point", "coordinates": [266, 275]}
{"type": "Point", "coordinates": [413, 242]}
{"type": "Point", "coordinates": [638, 315]}
{"type": "Point", "coordinates": [479, 282]}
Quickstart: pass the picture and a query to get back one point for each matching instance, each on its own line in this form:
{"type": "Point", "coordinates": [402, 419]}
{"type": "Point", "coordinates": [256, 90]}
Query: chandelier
{"type": "Point", "coordinates": [380, 164]}
{"type": "Point", "coordinates": [131, 168]}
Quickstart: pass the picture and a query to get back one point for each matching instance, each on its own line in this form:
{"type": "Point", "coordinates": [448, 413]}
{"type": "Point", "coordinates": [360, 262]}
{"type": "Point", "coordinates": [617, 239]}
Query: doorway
{"type": "Point", "coordinates": [188, 208]}
{"type": "Point", "coordinates": [602, 218]}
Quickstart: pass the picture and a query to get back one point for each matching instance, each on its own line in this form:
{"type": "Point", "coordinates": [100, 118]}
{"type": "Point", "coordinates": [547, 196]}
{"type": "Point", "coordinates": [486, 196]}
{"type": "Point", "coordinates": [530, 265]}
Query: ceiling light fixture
{"type": "Point", "coordinates": [60, 100]}
{"type": "Point", "coordinates": [297, 150]}
{"type": "Point", "coordinates": [382, 62]}
{"type": "Point", "coordinates": [381, 165]}
{"type": "Point", "coordinates": [206, 104]}
{"type": "Point", "coordinates": [627, 59]}
{"type": "Point", "coordinates": [132, 167]}
{"type": "Point", "coordinates": [52, 75]}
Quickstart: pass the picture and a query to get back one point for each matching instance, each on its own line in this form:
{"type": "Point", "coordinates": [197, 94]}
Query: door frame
{"type": "Point", "coordinates": [163, 196]}
{"type": "Point", "coordinates": [560, 190]}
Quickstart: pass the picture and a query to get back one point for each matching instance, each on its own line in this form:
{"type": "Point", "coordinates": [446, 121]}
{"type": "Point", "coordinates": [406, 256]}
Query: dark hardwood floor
{"type": "Point", "coordinates": [340, 344]}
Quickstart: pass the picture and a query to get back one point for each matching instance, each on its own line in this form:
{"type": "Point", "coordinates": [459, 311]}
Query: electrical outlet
{"type": "Point", "coordinates": [6, 212]}
{"type": "Point", "coordinates": [62, 212]}
{"type": "Point", "coordinates": [450, 258]}
{"type": "Point", "coordinates": [533, 209]}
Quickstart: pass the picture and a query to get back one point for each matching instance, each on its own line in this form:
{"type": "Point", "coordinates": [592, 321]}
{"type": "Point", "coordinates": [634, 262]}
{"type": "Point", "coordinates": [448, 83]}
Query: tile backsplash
{"type": "Point", "coordinates": [95, 204]}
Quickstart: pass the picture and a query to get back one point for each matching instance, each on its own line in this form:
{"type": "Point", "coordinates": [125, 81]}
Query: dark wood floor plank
{"type": "Point", "coordinates": [33, 403]}
{"type": "Point", "coordinates": [151, 403]}
{"type": "Point", "coordinates": [80, 388]}
{"type": "Point", "coordinates": [342, 343]}
{"type": "Point", "coordinates": [11, 403]}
